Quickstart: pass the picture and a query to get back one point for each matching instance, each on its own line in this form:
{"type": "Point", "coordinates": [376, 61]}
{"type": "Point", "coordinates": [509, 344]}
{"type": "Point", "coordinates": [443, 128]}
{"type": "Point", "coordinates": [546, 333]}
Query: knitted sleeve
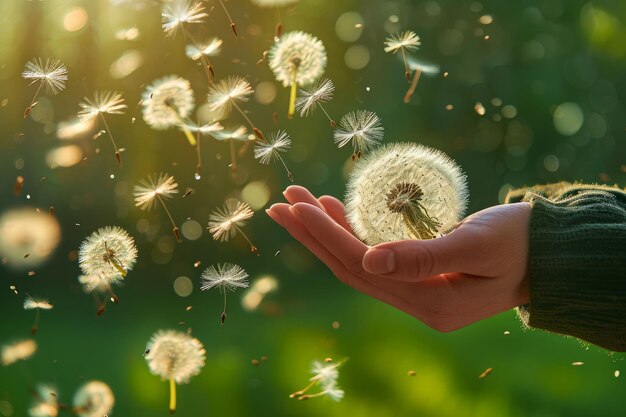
{"type": "Point", "coordinates": [577, 262]}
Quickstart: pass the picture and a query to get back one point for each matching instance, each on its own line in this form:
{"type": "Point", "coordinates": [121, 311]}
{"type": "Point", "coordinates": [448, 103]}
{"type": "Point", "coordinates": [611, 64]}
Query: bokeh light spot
{"type": "Point", "coordinates": [357, 57]}
{"type": "Point", "coordinates": [75, 19]}
{"type": "Point", "coordinates": [349, 26]}
{"type": "Point", "coordinates": [183, 286]}
{"type": "Point", "coordinates": [568, 118]}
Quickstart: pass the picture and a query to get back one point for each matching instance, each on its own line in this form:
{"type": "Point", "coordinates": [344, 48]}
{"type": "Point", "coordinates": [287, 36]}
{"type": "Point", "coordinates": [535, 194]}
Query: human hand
{"type": "Point", "coordinates": [476, 271]}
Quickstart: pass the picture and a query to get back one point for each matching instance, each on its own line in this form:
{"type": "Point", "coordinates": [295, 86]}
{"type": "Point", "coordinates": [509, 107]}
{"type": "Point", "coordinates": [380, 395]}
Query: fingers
{"type": "Point", "coordinates": [335, 210]}
{"type": "Point", "coordinates": [414, 260]}
{"type": "Point", "coordinates": [283, 216]}
{"type": "Point", "coordinates": [297, 194]}
{"type": "Point", "coordinates": [341, 243]}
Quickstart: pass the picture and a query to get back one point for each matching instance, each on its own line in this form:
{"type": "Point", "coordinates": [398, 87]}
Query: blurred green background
{"type": "Point", "coordinates": [550, 76]}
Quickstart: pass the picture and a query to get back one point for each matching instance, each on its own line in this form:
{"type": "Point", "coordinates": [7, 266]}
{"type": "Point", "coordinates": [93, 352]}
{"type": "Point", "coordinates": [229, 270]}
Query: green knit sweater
{"type": "Point", "coordinates": [577, 262]}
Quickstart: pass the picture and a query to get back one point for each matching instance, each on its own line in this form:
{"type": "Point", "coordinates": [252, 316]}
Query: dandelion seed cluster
{"type": "Point", "coordinates": [297, 57]}
{"type": "Point", "coordinates": [175, 355]}
{"type": "Point", "coordinates": [231, 90]}
{"type": "Point", "coordinates": [179, 12]}
{"type": "Point", "coordinates": [52, 74]}
{"type": "Point", "coordinates": [310, 98]}
{"type": "Point", "coordinates": [45, 403]}
{"type": "Point", "coordinates": [17, 351]}
{"type": "Point", "coordinates": [224, 223]}
{"type": "Point", "coordinates": [109, 102]}
{"type": "Point", "coordinates": [107, 253]}
{"type": "Point", "coordinates": [363, 128]}
{"type": "Point", "coordinates": [278, 142]}
{"type": "Point", "coordinates": [31, 303]}
{"type": "Point", "coordinates": [442, 183]}
{"type": "Point", "coordinates": [149, 190]}
{"type": "Point", "coordinates": [211, 47]}
{"type": "Point", "coordinates": [167, 102]}
{"type": "Point", "coordinates": [93, 399]}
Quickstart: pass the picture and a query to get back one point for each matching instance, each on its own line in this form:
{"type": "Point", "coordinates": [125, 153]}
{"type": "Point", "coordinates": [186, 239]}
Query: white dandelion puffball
{"type": "Point", "coordinates": [94, 399]}
{"type": "Point", "coordinates": [167, 102]}
{"type": "Point", "coordinates": [175, 355]}
{"type": "Point", "coordinates": [27, 237]}
{"type": "Point", "coordinates": [442, 183]}
{"type": "Point", "coordinates": [297, 57]}
{"type": "Point", "coordinates": [109, 253]}
{"type": "Point", "coordinates": [273, 3]}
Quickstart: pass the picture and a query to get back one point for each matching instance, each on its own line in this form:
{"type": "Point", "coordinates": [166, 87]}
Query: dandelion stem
{"type": "Point", "coordinates": [198, 155]}
{"type": "Point", "coordinates": [32, 102]}
{"type": "Point", "coordinates": [35, 327]}
{"type": "Point", "coordinates": [332, 122]}
{"type": "Point", "coordinates": [411, 90]}
{"type": "Point", "coordinates": [293, 93]}
{"type": "Point", "coordinates": [305, 389]}
{"type": "Point", "coordinates": [253, 248]}
{"type": "Point", "coordinates": [175, 229]}
{"type": "Point", "coordinates": [256, 130]}
{"type": "Point", "coordinates": [233, 26]}
{"type": "Point", "coordinates": [118, 156]}
{"type": "Point", "coordinates": [172, 396]}
{"type": "Point", "coordinates": [233, 158]}
{"type": "Point", "coordinates": [407, 73]}
{"type": "Point", "coordinates": [223, 317]}
{"type": "Point", "coordinates": [306, 397]}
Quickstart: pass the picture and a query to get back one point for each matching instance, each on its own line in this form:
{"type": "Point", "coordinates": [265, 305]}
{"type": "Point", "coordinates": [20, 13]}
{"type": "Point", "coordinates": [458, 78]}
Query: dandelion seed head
{"type": "Point", "coordinates": [423, 67]}
{"type": "Point", "coordinates": [223, 93]}
{"type": "Point", "coordinates": [175, 13]}
{"type": "Point", "coordinates": [31, 303]}
{"type": "Point", "coordinates": [299, 57]}
{"type": "Point", "coordinates": [226, 277]}
{"type": "Point", "coordinates": [374, 178]}
{"type": "Point", "coordinates": [94, 399]}
{"type": "Point", "coordinates": [362, 127]}
{"type": "Point", "coordinates": [211, 47]}
{"type": "Point", "coordinates": [277, 143]}
{"type": "Point", "coordinates": [51, 73]}
{"type": "Point", "coordinates": [106, 252]}
{"type": "Point", "coordinates": [18, 351]}
{"type": "Point", "coordinates": [175, 355]}
{"type": "Point", "coordinates": [45, 403]}
{"type": "Point", "coordinates": [25, 231]}
{"type": "Point", "coordinates": [406, 40]}
{"type": "Point", "coordinates": [103, 102]}
{"type": "Point", "coordinates": [334, 392]}
{"type": "Point", "coordinates": [308, 98]}
{"type": "Point", "coordinates": [325, 373]}
{"type": "Point", "coordinates": [239, 133]}
{"type": "Point", "coordinates": [273, 3]}
{"type": "Point", "coordinates": [167, 101]}
{"type": "Point", "coordinates": [148, 191]}
{"type": "Point", "coordinates": [224, 222]}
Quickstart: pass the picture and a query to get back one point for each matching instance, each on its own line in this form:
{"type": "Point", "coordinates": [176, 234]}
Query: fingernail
{"type": "Point", "coordinates": [379, 261]}
{"type": "Point", "coordinates": [274, 215]}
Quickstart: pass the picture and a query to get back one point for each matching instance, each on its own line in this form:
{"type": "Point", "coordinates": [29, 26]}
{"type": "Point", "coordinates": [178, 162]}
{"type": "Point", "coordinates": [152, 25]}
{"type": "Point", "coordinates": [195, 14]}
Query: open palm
{"type": "Point", "coordinates": [472, 273]}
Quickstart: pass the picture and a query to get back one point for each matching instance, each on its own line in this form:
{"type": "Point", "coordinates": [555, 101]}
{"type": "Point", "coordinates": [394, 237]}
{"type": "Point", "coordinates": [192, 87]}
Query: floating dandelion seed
{"type": "Point", "coordinates": [232, 135]}
{"type": "Point", "coordinates": [226, 277]}
{"type": "Point", "coordinates": [279, 142]}
{"type": "Point", "coordinates": [45, 403]}
{"type": "Point", "coordinates": [211, 47]}
{"type": "Point", "coordinates": [226, 222]}
{"type": "Point", "coordinates": [36, 304]}
{"type": "Point", "coordinates": [404, 191]}
{"type": "Point", "coordinates": [418, 69]}
{"type": "Point", "coordinates": [168, 102]}
{"type": "Point", "coordinates": [159, 188]}
{"type": "Point", "coordinates": [204, 130]}
{"type": "Point", "coordinates": [275, 4]}
{"type": "Point", "coordinates": [177, 13]}
{"type": "Point", "coordinates": [297, 59]}
{"type": "Point", "coordinates": [233, 26]}
{"type": "Point", "coordinates": [52, 75]}
{"type": "Point", "coordinates": [405, 41]}
{"type": "Point", "coordinates": [93, 399]}
{"type": "Point", "coordinates": [18, 351]}
{"type": "Point", "coordinates": [226, 94]}
{"type": "Point", "coordinates": [174, 356]}
{"type": "Point", "coordinates": [363, 128]}
{"type": "Point", "coordinates": [310, 98]}
{"type": "Point", "coordinates": [325, 375]}
{"type": "Point", "coordinates": [104, 102]}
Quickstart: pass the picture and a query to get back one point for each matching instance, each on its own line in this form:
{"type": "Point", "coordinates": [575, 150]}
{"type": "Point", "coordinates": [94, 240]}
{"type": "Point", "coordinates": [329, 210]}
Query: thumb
{"type": "Point", "coordinates": [413, 260]}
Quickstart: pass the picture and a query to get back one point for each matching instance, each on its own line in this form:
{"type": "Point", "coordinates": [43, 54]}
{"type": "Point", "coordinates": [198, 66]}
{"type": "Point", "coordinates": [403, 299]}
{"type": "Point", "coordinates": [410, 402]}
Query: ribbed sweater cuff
{"type": "Point", "coordinates": [578, 265]}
